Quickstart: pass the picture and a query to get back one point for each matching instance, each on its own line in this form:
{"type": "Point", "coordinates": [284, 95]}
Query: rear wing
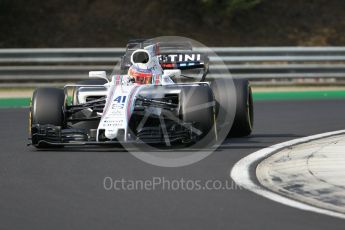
{"type": "Point", "coordinates": [183, 61]}
{"type": "Point", "coordinates": [172, 55]}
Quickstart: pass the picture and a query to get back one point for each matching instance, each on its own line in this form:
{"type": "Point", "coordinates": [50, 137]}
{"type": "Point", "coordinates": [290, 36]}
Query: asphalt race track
{"type": "Point", "coordinates": [64, 189]}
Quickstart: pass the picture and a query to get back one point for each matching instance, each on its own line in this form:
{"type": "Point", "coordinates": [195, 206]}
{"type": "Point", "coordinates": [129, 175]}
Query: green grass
{"type": "Point", "coordinates": [258, 96]}
{"type": "Point", "coordinates": [299, 95]}
{"type": "Point", "coordinates": [14, 102]}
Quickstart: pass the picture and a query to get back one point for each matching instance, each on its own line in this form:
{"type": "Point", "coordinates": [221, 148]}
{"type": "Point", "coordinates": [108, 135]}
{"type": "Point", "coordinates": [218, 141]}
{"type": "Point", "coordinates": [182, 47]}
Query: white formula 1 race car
{"type": "Point", "coordinates": [143, 103]}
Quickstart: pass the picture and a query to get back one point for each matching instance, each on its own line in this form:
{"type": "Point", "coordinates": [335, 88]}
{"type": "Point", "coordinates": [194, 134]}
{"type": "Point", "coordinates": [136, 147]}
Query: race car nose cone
{"type": "Point", "coordinates": [111, 134]}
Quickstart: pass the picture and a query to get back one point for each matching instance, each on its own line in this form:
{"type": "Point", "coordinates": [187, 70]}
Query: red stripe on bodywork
{"type": "Point", "coordinates": [117, 82]}
{"type": "Point", "coordinates": [129, 104]}
{"type": "Point", "coordinates": [157, 80]}
{"type": "Point", "coordinates": [109, 101]}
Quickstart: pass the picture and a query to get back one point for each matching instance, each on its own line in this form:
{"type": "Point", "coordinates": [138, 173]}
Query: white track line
{"type": "Point", "coordinates": [240, 173]}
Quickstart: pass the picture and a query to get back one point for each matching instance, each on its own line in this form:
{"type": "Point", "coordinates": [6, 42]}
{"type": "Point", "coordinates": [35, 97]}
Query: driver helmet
{"type": "Point", "coordinates": [140, 75]}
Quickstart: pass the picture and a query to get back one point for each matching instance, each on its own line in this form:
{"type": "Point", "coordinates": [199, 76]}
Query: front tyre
{"type": "Point", "coordinates": [47, 108]}
{"type": "Point", "coordinates": [197, 108]}
{"type": "Point", "coordinates": [234, 106]}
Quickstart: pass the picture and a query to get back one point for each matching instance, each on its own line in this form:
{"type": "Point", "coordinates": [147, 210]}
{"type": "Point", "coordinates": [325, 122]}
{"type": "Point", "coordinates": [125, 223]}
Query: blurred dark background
{"type": "Point", "coordinates": [109, 23]}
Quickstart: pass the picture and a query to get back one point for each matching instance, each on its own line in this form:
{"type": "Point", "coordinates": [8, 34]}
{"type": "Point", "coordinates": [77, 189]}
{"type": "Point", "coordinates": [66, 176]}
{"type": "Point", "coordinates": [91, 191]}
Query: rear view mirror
{"type": "Point", "coordinates": [98, 74]}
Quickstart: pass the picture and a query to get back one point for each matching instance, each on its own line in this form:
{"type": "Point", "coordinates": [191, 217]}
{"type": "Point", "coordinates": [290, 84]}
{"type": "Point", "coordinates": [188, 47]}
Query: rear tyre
{"type": "Point", "coordinates": [244, 117]}
{"type": "Point", "coordinates": [47, 108]}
